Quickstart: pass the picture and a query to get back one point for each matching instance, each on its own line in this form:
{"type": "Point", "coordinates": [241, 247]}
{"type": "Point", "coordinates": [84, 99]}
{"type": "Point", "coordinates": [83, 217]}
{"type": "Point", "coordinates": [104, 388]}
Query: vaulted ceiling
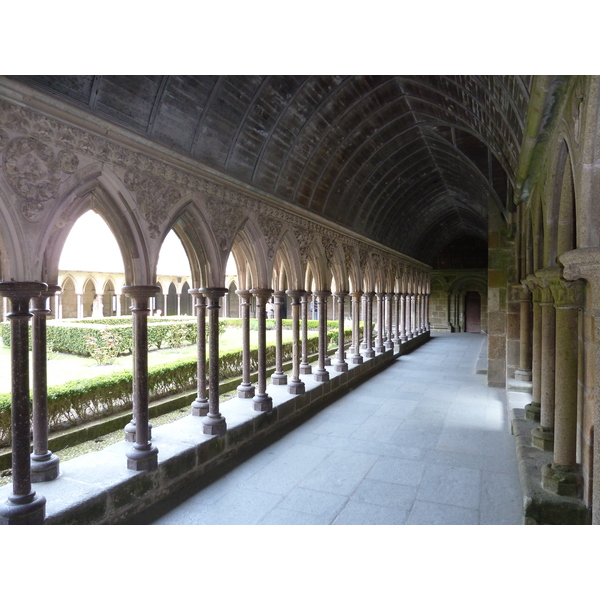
{"type": "Point", "coordinates": [411, 162]}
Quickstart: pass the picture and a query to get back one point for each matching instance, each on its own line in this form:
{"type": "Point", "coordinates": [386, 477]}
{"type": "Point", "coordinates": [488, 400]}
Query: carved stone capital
{"type": "Point", "coordinates": [568, 294]}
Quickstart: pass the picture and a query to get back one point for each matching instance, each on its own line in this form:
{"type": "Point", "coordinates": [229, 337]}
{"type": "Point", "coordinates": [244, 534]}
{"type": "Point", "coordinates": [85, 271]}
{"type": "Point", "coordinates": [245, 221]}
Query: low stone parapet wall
{"type": "Point", "coordinates": [97, 488]}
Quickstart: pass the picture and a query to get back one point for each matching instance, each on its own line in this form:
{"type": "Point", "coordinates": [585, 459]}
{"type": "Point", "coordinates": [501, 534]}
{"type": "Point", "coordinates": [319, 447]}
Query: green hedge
{"type": "Point", "coordinates": [77, 402]}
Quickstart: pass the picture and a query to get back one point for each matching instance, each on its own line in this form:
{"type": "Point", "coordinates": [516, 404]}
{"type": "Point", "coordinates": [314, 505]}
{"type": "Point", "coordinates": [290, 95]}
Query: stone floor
{"type": "Point", "coordinates": [423, 442]}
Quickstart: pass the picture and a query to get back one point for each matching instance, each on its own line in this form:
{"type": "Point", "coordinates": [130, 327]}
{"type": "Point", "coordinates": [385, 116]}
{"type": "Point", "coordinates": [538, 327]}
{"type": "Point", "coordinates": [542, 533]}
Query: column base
{"type": "Point", "coordinates": [369, 353]}
{"type": "Point", "coordinates": [340, 367]}
{"type": "Point", "coordinates": [44, 467]}
{"type": "Point", "coordinates": [296, 387]}
{"type": "Point", "coordinates": [305, 369]}
{"type": "Point", "coordinates": [130, 430]}
{"type": "Point", "coordinates": [200, 407]}
{"type": "Point", "coordinates": [321, 375]}
{"type": "Point", "coordinates": [262, 402]}
{"type": "Point", "coordinates": [523, 374]}
{"type": "Point", "coordinates": [142, 459]}
{"type": "Point", "coordinates": [389, 345]}
{"type": "Point", "coordinates": [327, 361]}
{"type": "Point", "coordinates": [245, 390]}
{"type": "Point", "coordinates": [379, 349]}
{"type": "Point", "coordinates": [403, 338]}
{"type": "Point", "coordinates": [279, 379]}
{"type": "Point", "coordinates": [27, 510]}
{"type": "Point", "coordinates": [357, 359]}
{"type": "Point", "coordinates": [542, 438]}
{"type": "Point", "coordinates": [563, 481]}
{"type": "Point", "coordinates": [214, 425]}
{"type": "Point", "coordinates": [533, 412]}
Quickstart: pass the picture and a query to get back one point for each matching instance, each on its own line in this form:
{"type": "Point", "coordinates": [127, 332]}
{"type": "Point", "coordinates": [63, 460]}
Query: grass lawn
{"type": "Point", "coordinates": [68, 367]}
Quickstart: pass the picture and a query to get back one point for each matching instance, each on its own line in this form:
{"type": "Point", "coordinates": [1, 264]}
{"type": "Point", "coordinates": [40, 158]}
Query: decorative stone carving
{"type": "Point", "coordinates": [305, 240]}
{"type": "Point", "coordinates": [34, 173]}
{"type": "Point", "coordinates": [153, 196]}
{"type": "Point", "coordinates": [568, 293]}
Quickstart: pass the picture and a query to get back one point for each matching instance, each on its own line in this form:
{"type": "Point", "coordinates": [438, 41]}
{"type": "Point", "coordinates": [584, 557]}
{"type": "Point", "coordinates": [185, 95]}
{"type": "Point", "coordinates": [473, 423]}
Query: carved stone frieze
{"type": "Point", "coordinates": [305, 240]}
{"type": "Point", "coordinates": [225, 220]}
{"type": "Point", "coordinates": [271, 229]}
{"type": "Point", "coordinates": [34, 172]}
{"type": "Point", "coordinates": [154, 197]}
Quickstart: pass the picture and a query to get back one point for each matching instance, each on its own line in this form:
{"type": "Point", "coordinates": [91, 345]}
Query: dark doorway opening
{"type": "Point", "coordinates": [473, 312]}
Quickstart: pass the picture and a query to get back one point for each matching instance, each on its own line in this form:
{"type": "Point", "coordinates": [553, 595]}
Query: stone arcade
{"type": "Point", "coordinates": [349, 189]}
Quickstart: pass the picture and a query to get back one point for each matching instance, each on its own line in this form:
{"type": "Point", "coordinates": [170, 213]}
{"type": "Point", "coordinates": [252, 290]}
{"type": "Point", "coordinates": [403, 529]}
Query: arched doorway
{"type": "Point", "coordinates": [473, 312]}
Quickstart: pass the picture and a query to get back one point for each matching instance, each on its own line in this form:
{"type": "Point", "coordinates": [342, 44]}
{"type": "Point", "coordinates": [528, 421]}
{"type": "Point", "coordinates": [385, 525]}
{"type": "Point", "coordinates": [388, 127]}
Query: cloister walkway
{"type": "Point", "coordinates": [423, 442]}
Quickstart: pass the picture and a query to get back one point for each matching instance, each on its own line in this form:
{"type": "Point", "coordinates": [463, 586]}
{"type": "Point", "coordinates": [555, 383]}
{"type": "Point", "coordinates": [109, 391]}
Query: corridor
{"type": "Point", "coordinates": [424, 442]}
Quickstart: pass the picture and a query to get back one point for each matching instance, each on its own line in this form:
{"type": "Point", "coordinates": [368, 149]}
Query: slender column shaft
{"type": "Point", "coordinates": [262, 401]}
{"type": "Point", "coordinates": [44, 464]}
{"type": "Point", "coordinates": [295, 384]}
{"type": "Point", "coordinates": [363, 312]}
{"type": "Point", "coordinates": [388, 343]}
{"type": "Point", "coordinates": [403, 337]}
{"type": "Point", "coordinates": [321, 374]}
{"type": "Point", "coordinates": [213, 423]}
{"type": "Point", "coordinates": [523, 373]}
{"type": "Point", "coordinates": [278, 377]}
{"type": "Point", "coordinates": [548, 364]}
{"type": "Point", "coordinates": [200, 404]}
{"type": "Point", "coordinates": [341, 365]}
{"type": "Point", "coordinates": [23, 506]}
{"type": "Point", "coordinates": [427, 326]}
{"type": "Point", "coordinates": [379, 347]}
{"type": "Point", "coordinates": [396, 338]}
{"type": "Point", "coordinates": [245, 389]}
{"type": "Point", "coordinates": [305, 368]}
{"type": "Point", "coordinates": [421, 313]}
{"type": "Point", "coordinates": [356, 358]}
{"type": "Point", "coordinates": [369, 351]}
{"type": "Point", "coordinates": [143, 456]}
{"type": "Point", "coordinates": [409, 316]}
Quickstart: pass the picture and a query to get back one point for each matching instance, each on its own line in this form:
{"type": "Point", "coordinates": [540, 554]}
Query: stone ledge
{"type": "Point", "coordinates": [541, 507]}
{"type": "Point", "coordinates": [97, 488]}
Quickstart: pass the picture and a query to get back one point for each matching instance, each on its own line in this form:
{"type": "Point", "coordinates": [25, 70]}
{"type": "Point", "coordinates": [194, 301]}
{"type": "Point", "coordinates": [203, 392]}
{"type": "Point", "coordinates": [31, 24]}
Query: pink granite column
{"type": "Point", "coordinates": [214, 422]}
{"type": "Point", "coordinates": [295, 384]}
{"type": "Point", "coordinates": [143, 456]}
{"type": "Point", "coordinates": [322, 374]}
{"type": "Point", "coordinates": [305, 368]}
{"type": "Point", "coordinates": [396, 338]}
{"type": "Point", "coordinates": [44, 464]}
{"type": "Point", "coordinates": [534, 409]}
{"type": "Point", "coordinates": [278, 377]}
{"type": "Point", "coordinates": [379, 347]}
{"type": "Point", "coordinates": [24, 506]}
{"type": "Point", "coordinates": [200, 404]}
{"type": "Point", "coordinates": [369, 350]}
{"type": "Point", "coordinates": [523, 373]}
{"type": "Point", "coordinates": [262, 401]}
{"type": "Point", "coordinates": [356, 358]}
{"type": "Point", "coordinates": [245, 389]}
{"type": "Point", "coordinates": [388, 343]}
{"type": "Point", "coordinates": [403, 313]}
{"type": "Point", "coordinates": [340, 364]}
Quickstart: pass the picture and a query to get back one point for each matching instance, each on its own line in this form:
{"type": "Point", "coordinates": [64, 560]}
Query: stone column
{"type": "Point", "coordinates": [426, 312]}
{"type": "Point", "coordinates": [79, 306]}
{"type": "Point", "coordinates": [4, 309]}
{"type": "Point", "coordinates": [143, 456]}
{"type": "Point", "coordinates": [410, 303]}
{"type": "Point", "coordinates": [24, 506]}
{"type": "Point", "coordinates": [542, 437]}
{"type": "Point", "coordinates": [178, 305]}
{"type": "Point", "coordinates": [118, 297]}
{"type": "Point", "coordinates": [340, 364]}
{"type": "Point", "coordinates": [296, 385]}
{"type": "Point", "coordinates": [413, 315]}
{"type": "Point", "coordinates": [403, 313]}
{"type": "Point", "coordinates": [245, 389]}
{"type": "Point", "coordinates": [379, 347]}
{"type": "Point", "coordinates": [356, 358]}
{"type": "Point", "coordinates": [322, 374]}
{"type": "Point", "coordinates": [58, 305]}
{"type": "Point", "coordinates": [389, 344]}
{"type": "Point", "coordinates": [523, 373]}
{"type": "Point", "coordinates": [200, 404]}
{"type": "Point", "coordinates": [44, 464]}
{"type": "Point", "coordinates": [396, 338]}
{"type": "Point", "coordinates": [214, 422]}
{"type": "Point", "coordinates": [533, 410]}
{"type": "Point", "coordinates": [363, 312]}
{"type": "Point", "coordinates": [584, 263]}
{"type": "Point", "coordinates": [165, 304]}
{"type": "Point", "coordinates": [262, 401]}
{"type": "Point", "coordinates": [305, 368]}
{"type": "Point", "coordinates": [369, 351]}
{"type": "Point", "coordinates": [278, 377]}
{"type": "Point", "coordinates": [564, 476]}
